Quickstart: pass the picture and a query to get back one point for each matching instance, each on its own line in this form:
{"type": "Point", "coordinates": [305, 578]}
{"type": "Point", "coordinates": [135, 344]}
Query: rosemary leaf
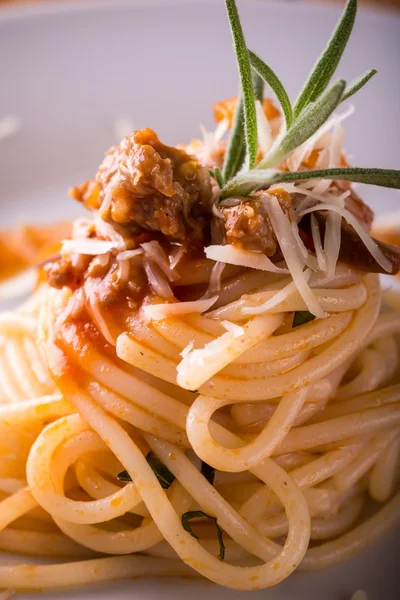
{"type": "Point", "coordinates": [218, 177]}
{"type": "Point", "coordinates": [244, 184]}
{"type": "Point", "coordinates": [358, 83]}
{"type": "Point", "coordinates": [275, 84]}
{"type": "Point", "coordinates": [307, 124]}
{"type": "Point", "coordinates": [301, 317]}
{"type": "Point", "coordinates": [236, 151]}
{"type": "Point", "coordinates": [194, 514]}
{"type": "Point", "coordinates": [243, 62]}
{"type": "Point", "coordinates": [327, 63]}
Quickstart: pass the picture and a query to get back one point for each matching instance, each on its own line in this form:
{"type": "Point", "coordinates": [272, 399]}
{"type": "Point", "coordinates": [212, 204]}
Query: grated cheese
{"type": "Point", "coordinates": [319, 251]}
{"type": "Point", "coordinates": [232, 255]}
{"type": "Point", "coordinates": [88, 246]}
{"type": "Point", "coordinates": [292, 255]}
{"type": "Point", "coordinates": [233, 328]}
{"type": "Point", "coordinates": [297, 156]}
{"type": "Point", "coordinates": [279, 297]}
{"type": "Point", "coordinates": [373, 248]}
{"type": "Point", "coordinates": [157, 312]}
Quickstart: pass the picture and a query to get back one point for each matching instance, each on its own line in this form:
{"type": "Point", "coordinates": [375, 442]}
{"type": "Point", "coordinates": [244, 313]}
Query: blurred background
{"type": "Point", "coordinates": [378, 4]}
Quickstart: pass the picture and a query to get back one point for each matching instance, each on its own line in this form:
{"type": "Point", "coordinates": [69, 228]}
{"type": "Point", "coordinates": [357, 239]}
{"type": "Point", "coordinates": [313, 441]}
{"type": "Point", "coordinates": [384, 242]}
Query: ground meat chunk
{"type": "Point", "coordinates": [144, 185]}
{"type": "Point", "coordinates": [246, 223]}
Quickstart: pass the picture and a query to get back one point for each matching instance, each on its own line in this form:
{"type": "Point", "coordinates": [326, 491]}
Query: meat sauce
{"type": "Point", "coordinates": [147, 191]}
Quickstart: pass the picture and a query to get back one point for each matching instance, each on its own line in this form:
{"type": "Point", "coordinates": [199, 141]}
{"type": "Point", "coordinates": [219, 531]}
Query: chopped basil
{"type": "Point", "coordinates": [194, 514]}
{"type": "Point", "coordinates": [164, 475]}
{"type": "Point", "coordinates": [301, 317]}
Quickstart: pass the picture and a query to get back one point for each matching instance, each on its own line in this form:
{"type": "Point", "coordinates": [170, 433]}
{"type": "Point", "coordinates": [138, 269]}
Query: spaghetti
{"type": "Point", "coordinates": [200, 384]}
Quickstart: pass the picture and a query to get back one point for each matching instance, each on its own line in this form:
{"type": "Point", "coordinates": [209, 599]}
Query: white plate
{"type": "Point", "coordinates": [67, 71]}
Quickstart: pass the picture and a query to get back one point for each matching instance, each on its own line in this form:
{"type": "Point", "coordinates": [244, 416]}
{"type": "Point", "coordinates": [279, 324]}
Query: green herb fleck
{"type": "Point", "coordinates": [301, 317]}
{"type": "Point", "coordinates": [208, 472]}
{"type": "Point", "coordinates": [195, 514]}
{"type": "Point", "coordinates": [164, 475]}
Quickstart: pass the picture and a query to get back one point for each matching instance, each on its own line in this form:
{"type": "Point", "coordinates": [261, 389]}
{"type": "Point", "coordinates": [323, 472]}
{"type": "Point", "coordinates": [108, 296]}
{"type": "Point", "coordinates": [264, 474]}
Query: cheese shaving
{"type": "Point", "coordinates": [187, 349]}
{"type": "Point", "coordinates": [128, 254]}
{"type": "Point", "coordinates": [373, 248]}
{"type": "Point", "coordinates": [319, 251]}
{"type": "Point", "coordinates": [292, 255]}
{"type": "Point", "coordinates": [233, 255]}
{"type": "Point", "coordinates": [88, 246]}
{"type": "Point", "coordinates": [297, 156]}
{"type": "Point", "coordinates": [233, 328]}
{"type": "Point", "coordinates": [155, 252]}
{"type": "Point", "coordinates": [332, 242]}
{"type": "Point", "coordinates": [279, 297]}
{"type": "Point", "coordinates": [157, 312]}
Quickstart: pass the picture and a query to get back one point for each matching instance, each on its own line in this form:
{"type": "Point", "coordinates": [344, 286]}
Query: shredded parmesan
{"type": "Point", "coordinates": [373, 248]}
{"type": "Point", "coordinates": [157, 280]}
{"type": "Point", "coordinates": [128, 254]}
{"type": "Point", "coordinates": [242, 258]}
{"type": "Point", "coordinates": [176, 256]}
{"type": "Point", "coordinates": [297, 156]}
{"type": "Point", "coordinates": [214, 284]}
{"type": "Point", "coordinates": [233, 328]}
{"type": "Point", "coordinates": [187, 349]}
{"type": "Point", "coordinates": [332, 241]}
{"type": "Point", "coordinates": [292, 255]}
{"type": "Point", "coordinates": [155, 252]}
{"type": "Point", "coordinates": [279, 297]}
{"type": "Point", "coordinates": [88, 246]}
{"type": "Point", "coordinates": [156, 312]}
{"type": "Point", "coordinates": [98, 318]}
{"type": "Point", "coordinates": [319, 251]}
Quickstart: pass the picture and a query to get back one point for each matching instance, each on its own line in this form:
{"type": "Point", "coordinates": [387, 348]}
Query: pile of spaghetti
{"type": "Point", "coordinates": [205, 380]}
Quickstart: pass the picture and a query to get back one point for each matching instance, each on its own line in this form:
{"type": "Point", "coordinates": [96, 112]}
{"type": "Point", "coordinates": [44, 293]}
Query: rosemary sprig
{"type": "Point", "coordinates": [327, 63]}
{"type": "Point", "coordinates": [358, 83]}
{"type": "Point", "coordinates": [236, 151]}
{"type": "Point", "coordinates": [218, 177]}
{"type": "Point", "coordinates": [194, 514]}
{"type": "Point", "coordinates": [243, 62]}
{"type": "Point", "coordinates": [242, 185]}
{"type": "Point", "coordinates": [314, 105]}
{"type": "Point", "coordinates": [306, 125]}
{"type": "Point", "coordinates": [275, 84]}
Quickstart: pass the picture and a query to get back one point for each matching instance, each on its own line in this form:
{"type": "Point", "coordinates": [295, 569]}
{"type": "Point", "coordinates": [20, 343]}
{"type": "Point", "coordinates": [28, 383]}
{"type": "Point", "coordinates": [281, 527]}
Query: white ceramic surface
{"type": "Point", "coordinates": [67, 71]}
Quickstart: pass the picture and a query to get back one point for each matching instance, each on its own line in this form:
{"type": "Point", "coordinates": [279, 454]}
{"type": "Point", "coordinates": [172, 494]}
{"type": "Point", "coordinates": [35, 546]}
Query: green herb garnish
{"type": "Point", "coordinates": [258, 179]}
{"type": "Point", "coordinates": [194, 514]}
{"type": "Point", "coordinates": [326, 65]}
{"type": "Point", "coordinates": [313, 107]}
{"type": "Point", "coordinates": [208, 472]}
{"type": "Point", "coordinates": [301, 317]}
{"type": "Point", "coordinates": [236, 151]}
{"type": "Point", "coordinates": [164, 475]}
{"type": "Point", "coordinates": [243, 63]}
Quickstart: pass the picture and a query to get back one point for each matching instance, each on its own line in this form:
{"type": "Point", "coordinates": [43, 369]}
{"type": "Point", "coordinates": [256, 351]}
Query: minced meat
{"type": "Point", "coordinates": [144, 185]}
